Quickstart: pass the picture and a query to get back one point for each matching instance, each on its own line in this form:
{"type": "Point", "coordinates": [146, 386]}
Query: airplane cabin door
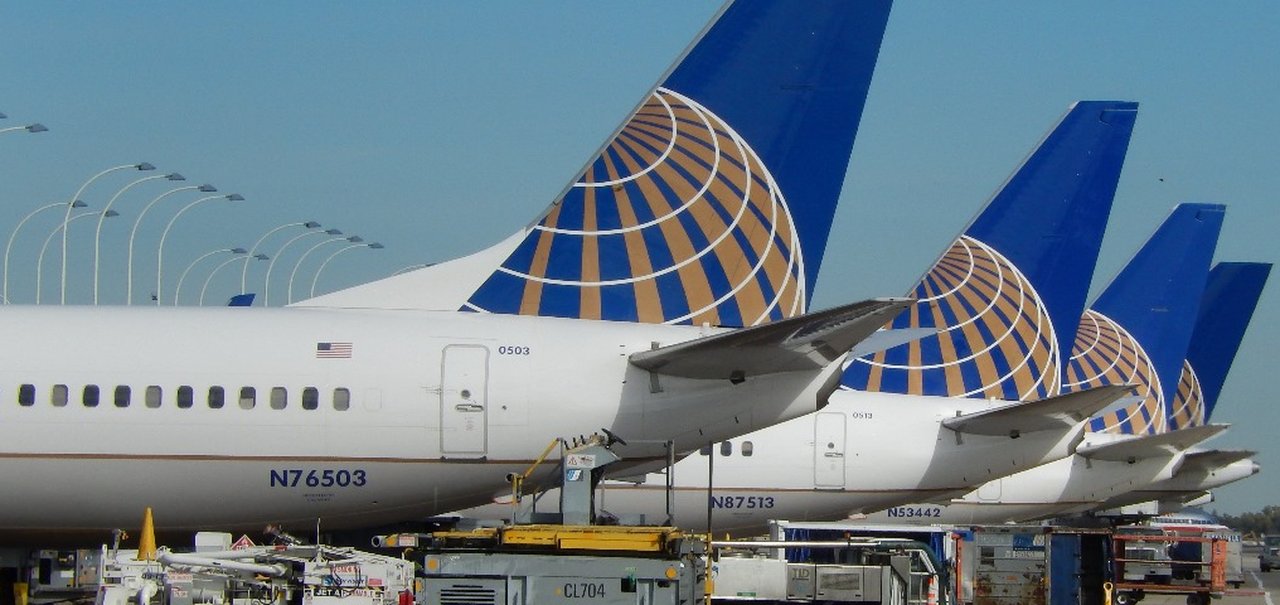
{"type": "Point", "coordinates": [828, 450]}
{"type": "Point", "coordinates": [464, 401]}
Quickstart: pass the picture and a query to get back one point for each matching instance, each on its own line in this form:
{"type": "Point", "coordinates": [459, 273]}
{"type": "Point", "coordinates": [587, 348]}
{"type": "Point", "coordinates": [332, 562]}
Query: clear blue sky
{"type": "Point", "coordinates": [439, 128]}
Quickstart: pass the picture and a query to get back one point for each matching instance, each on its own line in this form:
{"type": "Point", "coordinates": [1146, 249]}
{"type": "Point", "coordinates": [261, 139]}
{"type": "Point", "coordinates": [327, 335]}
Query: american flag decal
{"type": "Point", "coordinates": [333, 350]}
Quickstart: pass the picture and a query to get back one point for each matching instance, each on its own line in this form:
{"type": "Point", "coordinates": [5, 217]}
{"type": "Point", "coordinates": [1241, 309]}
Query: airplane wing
{"type": "Point", "coordinates": [1150, 446]}
{"type": "Point", "coordinates": [806, 342]}
{"type": "Point", "coordinates": [1208, 460]}
{"type": "Point", "coordinates": [1058, 412]}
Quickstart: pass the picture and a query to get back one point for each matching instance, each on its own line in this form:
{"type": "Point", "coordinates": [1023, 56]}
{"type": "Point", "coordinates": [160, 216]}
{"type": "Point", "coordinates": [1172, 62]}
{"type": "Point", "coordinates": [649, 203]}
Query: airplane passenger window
{"type": "Point", "coordinates": [90, 396]}
{"type": "Point", "coordinates": [726, 448]}
{"type": "Point", "coordinates": [748, 448]}
{"type": "Point", "coordinates": [122, 396]}
{"type": "Point", "coordinates": [27, 395]}
{"type": "Point", "coordinates": [153, 396]}
{"type": "Point", "coordinates": [705, 450]}
{"type": "Point", "coordinates": [217, 398]}
{"type": "Point", "coordinates": [186, 397]}
{"type": "Point", "coordinates": [248, 398]}
{"type": "Point", "coordinates": [310, 398]}
{"type": "Point", "coordinates": [341, 399]}
{"type": "Point", "coordinates": [279, 398]}
{"type": "Point", "coordinates": [58, 396]}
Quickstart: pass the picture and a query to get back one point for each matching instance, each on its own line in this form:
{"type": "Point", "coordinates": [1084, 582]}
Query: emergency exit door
{"type": "Point", "coordinates": [828, 450]}
{"type": "Point", "coordinates": [464, 401]}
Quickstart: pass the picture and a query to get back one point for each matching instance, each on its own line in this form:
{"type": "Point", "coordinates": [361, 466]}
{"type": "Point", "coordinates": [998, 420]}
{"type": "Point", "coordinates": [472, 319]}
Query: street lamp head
{"type": "Point", "coordinates": [144, 166]}
{"type": "Point", "coordinates": [261, 257]}
{"type": "Point", "coordinates": [355, 239]}
{"type": "Point", "coordinates": [235, 197]}
{"type": "Point", "coordinates": [333, 231]}
{"type": "Point", "coordinates": [239, 251]}
{"type": "Point", "coordinates": [173, 176]}
{"type": "Point", "coordinates": [110, 213]}
{"type": "Point", "coordinates": [207, 188]}
{"type": "Point", "coordinates": [37, 127]}
{"type": "Point", "coordinates": [79, 204]}
{"type": "Point", "coordinates": [311, 224]}
{"type": "Point", "coordinates": [375, 246]}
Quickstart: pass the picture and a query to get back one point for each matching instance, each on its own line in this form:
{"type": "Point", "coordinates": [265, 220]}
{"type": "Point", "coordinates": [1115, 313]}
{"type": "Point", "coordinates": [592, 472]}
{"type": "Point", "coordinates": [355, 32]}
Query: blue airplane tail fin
{"type": "Point", "coordinates": [1007, 294]}
{"type": "Point", "coordinates": [1138, 330]}
{"type": "Point", "coordinates": [1230, 297]}
{"type": "Point", "coordinates": [713, 202]}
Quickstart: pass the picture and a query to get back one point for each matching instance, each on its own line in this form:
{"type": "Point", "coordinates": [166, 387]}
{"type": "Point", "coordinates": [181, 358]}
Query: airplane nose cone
{"type": "Point", "coordinates": [1256, 468]}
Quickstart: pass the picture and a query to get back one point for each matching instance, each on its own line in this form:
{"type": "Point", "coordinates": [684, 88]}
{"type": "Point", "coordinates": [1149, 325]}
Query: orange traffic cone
{"type": "Point", "coordinates": [147, 539]}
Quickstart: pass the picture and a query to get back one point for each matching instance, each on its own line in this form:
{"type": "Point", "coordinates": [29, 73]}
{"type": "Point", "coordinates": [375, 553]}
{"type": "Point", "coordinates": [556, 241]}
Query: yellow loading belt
{"type": "Point", "coordinates": [639, 539]}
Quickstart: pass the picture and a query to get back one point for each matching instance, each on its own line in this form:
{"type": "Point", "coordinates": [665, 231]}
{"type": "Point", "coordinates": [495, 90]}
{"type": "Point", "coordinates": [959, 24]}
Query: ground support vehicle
{"type": "Point", "coordinates": [1209, 580]}
{"type": "Point", "coordinates": [1269, 558]}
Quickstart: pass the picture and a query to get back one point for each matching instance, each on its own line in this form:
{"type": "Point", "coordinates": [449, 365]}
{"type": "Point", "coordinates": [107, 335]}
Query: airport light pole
{"type": "Point", "coordinates": [37, 127]}
{"type": "Point", "coordinates": [206, 188]}
{"type": "Point", "coordinates": [44, 248]}
{"type": "Point", "coordinates": [220, 266]}
{"type": "Point", "coordinates": [143, 166]}
{"type": "Point", "coordinates": [183, 277]}
{"type": "Point", "coordinates": [371, 246]}
{"type": "Point", "coordinates": [97, 234]}
{"type": "Point", "coordinates": [266, 288]}
{"type": "Point", "coordinates": [244, 273]}
{"type": "Point", "coordinates": [9, 246]}
{"type": "Point", "coordinates": [231, 197]}
{"type": "Point", "coordinates": [355, 239]}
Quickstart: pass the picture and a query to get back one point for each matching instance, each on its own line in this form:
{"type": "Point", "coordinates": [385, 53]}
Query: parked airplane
{"type": "Point", "coordinates": [1123, 338]}
{"type": "Point", "coordinates": [1229, 300]}
{"type": "Point", "coordinates": [1016, 276]}
{"type": "Point", "coordinates": [709, 207]}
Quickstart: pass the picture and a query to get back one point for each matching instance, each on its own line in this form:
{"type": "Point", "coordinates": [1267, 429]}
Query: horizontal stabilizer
{"type": "Point", "coordinates": [1209, 460]}
{"type": "Point", "coordinates": [1149, 446]}
{"type": "Point", "coordinates": [1058, 412]}
{"type": "Point", "coordinates": [800, 343]}
{"type": "Point", "coordinates": [889, 338]}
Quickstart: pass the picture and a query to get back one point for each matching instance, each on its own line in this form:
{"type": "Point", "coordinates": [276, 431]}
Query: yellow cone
{"type": "Point", "coordinates": [147, 539]}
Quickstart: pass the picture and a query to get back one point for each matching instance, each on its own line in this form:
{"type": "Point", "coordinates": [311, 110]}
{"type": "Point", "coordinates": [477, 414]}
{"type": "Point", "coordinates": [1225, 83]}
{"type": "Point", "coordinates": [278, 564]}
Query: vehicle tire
{"type": "Point", "coordinates": [1124, 598]}
{"type": "Point", "coordinates": [1197, 598]}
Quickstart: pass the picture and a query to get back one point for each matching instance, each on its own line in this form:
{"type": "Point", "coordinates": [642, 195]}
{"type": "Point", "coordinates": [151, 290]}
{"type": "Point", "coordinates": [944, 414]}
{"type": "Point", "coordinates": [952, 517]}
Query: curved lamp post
{"type": "Point", "coordinates": [206, 188]}
{"type": "Point", "coordinates": [183, 277]}
{"type": "Point", "coordinates": [9, 246]}
{"type": "Point", "coordinates": [371, 246]}
{"type": "Point", "coordinates": [266, 288]}
{"type": "Point", "coordinates": [221, 265]}
{"type": "Point", "coordinates": [37, 127]}
{"type": "Point", "coordinates": [231, 197]}
{"type": "Point", "coordinates": [244, 273]}
{"type": "Point", "coordinates": [97, 234]}
{"type": "Point", "coordinates": [355, 239]}
{"type": "Point", "coordinates": [67, 218]}
{"type": "Point", "coordinates": [44, 248]}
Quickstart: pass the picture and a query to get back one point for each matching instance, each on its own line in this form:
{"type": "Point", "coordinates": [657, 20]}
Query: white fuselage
{"type": "Point", "coordinates": [234, 417]}
{"type": "Point", "coordinates": [1187, 484]}
{"type": "Point", "coordinates": [1068, 486]}
{"type": "Point", "coordinates": [862, 452]}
